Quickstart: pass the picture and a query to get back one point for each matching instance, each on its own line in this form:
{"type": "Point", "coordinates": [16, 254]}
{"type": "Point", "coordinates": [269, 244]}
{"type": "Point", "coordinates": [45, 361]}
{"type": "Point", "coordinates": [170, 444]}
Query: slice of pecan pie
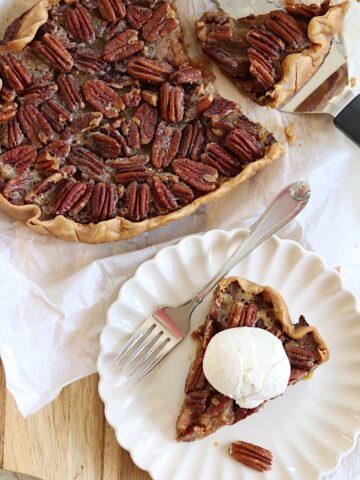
{"type": "Point", "coordinates": [107, 128]}
{"type": "Point", "coordinates": [271, 56]}
{"type": "Point", "coordinates": [241, 303]}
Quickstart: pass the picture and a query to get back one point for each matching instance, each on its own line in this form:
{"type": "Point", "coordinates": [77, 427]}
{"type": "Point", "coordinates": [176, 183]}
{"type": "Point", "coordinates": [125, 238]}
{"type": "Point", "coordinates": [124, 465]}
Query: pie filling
{"type": "Point", "coordinates": [204, 409]}
{"type": "Point", "coordinates": [104, 115]}
{"type": "Point", "coordinates": [251, 49]}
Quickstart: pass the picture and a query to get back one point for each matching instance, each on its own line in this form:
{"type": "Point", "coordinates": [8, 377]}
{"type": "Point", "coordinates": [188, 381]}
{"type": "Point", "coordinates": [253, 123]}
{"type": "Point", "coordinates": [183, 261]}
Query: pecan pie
{"type": "Point", "coordinates": [271, 56]}
{"type": "Point", "coordinates": [241, 303]}
{"type": "Point", "coordinates": [107, 127]}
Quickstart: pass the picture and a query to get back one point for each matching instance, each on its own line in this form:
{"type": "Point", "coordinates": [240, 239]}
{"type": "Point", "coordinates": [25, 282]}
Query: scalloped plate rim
{"type": "Point", "coordinates": [228, 234]}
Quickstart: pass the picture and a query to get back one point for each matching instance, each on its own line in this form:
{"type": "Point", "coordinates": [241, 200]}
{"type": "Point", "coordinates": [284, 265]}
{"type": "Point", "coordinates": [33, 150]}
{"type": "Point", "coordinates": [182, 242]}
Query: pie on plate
{"type": "Point", "coordinates": [108, 128]}
{"type": "Point", "coordinates": [271, 56]}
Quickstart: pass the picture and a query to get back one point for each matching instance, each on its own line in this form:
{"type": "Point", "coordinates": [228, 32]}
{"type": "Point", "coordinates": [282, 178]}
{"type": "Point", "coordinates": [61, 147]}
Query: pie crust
{"type": "Point", "coordinates": [19, 35]}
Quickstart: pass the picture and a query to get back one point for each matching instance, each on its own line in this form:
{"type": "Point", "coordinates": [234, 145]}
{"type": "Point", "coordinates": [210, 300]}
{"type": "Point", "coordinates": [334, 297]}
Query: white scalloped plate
{"type": "Point", "coordinates": [308, 429]}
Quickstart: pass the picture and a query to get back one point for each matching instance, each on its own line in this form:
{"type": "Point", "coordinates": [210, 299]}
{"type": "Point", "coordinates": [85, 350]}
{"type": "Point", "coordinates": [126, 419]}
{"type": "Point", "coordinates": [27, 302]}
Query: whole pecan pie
{"type": "Point", "coordinates": [271, 56]}
{"type": "Point", "coordinates": [108, 129]}
{"type": "Point", "coordinates": [241, 303]}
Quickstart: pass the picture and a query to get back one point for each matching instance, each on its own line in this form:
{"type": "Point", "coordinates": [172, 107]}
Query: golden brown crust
{"type": "Point", "coordinates": [120, 228]}
{"type": "Point", "coordinates": [281, 312]}
{"type": "Point", "coordinates": [298, 68]}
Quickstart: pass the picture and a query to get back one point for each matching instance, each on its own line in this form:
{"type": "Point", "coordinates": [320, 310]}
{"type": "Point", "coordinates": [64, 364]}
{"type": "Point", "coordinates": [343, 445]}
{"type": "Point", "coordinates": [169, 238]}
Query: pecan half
{"type": "Point", "coordinates": [103, 145]}
{"type": "Point", "coordinates": [219, 109]}
{"type": "Point", "coordinates": [285, 27]}
{"type": "Point", "coordinates": [196, 401]}
{"type": "Point", "coordinates": [59, 149]}
{"type": "Point", "coordinates": [172, 102]}
{"type": "Point", "coordinates": [261, 68]}
{"type": "Point", "coordinates": [162, 22]}
{"type": "Point", "coordinates": [223, 161]}
{"type": "Point", "coordinates": [204, 103]}
{"type": "Point", "coordinates": [300, 357]}
{"type": "Point", "coordinates": [137, 15]}
{"type": "Point", "coordinates": [198, 175]}
{"type": "Point", "coordinates": [49, 183]}
{"type": "Point", "coordinates": [227, 61]}
{"type": "Point", "coordinates": [192, 140]}
{"type": "Point", "coordinates": [68, 196]}
{"type": "Point", "coordinates": [13, 135]}
{"type": "Point", "coordinates": [21, 158]}
{"type": "Point", "coordinates": [56, 115]}
{"type": "Point", "coordinates": [113, 132]}
{"type": "Point", "coordinates": [49, 160]}
{"type": "Point", "coordinates": [113, 29]}
{"type": "Point", "coordinates": [307, 12]}
{"type": "Point", "coordinates": [86, 161]}
{"type": "Point", "coordinates": [149, 70]}
{"type": "Point", "coordinates": [89, 61]}
{"type": "Point", "coordinates": [132, 99]}
{"type": "Point", "coordinates": [122, 46]}
{"type": "Point", "coordinates": [145, 118]}
{"type": "Point", "coordinates": [82, 124]}
{"type": "Point", "coordinates": [166, 145]}
{"type": "Point", "coordinates": [7, 94]}
{"type": "Point", "coordinates": [196, 378]}
{"type": "Point", "coordinates": [266, 42]}
{"type": "Point", "coordinates": [69, 92]}
{"type": "Point", "coordinates": [244, 145]}
{"type": "Point", "coordinates": [183, 193]}
{"type": "Point", "coordinates": [164, 197]}
{"type": "Point", "coordinates": [39, 92]}
{"type": "Point", "coordinates": [138, 201]}
{"type": "Point", "coordinates": [79, 25]}
{"type": "Point", "coordinates": [188, 75]}
{"type": "Point", "coordinates": [251, 455]}
{"type": "Point", "coordinates": [7, 111]}
{"type": "Point", "coordinates": [129, 169]}
{"type": "Point", "coordinates": [16, 188]}
{"type": "Point", "coordinates": [82, 202]}
{"type": "Point", "coordinates": [241, 315]}
{"type": "Point", "coordinates": [54, 52]}
{"type": "Point", "coordinates": [35, 125]}
{"type": "Point", "coordinates": [15, 74]}
{"type": "Point", "coordinates": [103, 202]}
{"type": "Point", "coordinates": [112, 10]}
{"type": "Point", "coordinates": [103, 98]}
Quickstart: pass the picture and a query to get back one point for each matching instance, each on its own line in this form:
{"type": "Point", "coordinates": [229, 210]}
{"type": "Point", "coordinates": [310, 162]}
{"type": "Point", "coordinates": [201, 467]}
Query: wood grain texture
{"type": "Point", "coordinates": [67, 440]}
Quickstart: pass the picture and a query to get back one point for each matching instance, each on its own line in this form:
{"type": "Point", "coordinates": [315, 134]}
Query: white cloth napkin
{"type": "Point", "coordinates": [54, 294]}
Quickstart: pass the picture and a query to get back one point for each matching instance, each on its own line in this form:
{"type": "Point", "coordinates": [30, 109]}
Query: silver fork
{"type": "Point", "coordinates": [168, 326]}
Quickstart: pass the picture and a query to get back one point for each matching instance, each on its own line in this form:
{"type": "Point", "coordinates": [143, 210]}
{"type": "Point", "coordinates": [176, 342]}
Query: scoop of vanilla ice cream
{"type": "Point", "coordinates": [247, 364]}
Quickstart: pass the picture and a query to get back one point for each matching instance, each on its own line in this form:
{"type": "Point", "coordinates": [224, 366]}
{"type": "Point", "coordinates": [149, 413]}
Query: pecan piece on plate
{"type": "Point", "coordinates": [112, 10]}
{"type": "Point", "coordinates": [223, 161]}
{"type": "Point", "coordinates": [145, 118]}
{"type": "Point", "coordinates": [183, 192]}
{"type": "Point", "coordinates": [138, 201]}
{"type": "Point", "coordinates": [35, 125]}
{"type": "Point", "coordinates": [21, 158]}
{"type": "Point", "coordinates": [300, 357]}
{"type": "Point", "coordinates": [89, 61]}
{"type": "Point", "coordinates": [162, 22]}
{"type": "Point", "coordinates": [149, 70]}
{"type": "Point", "coordinates": [192, 140]}
{"type": "Point", "coordinates": [285, 27]}
{"type": "Point", "coordinates": [13, 135]}
{"type": "Point", "coordinates": [122, 46]}
{"type": "Point", "coordinates": [251, 455]}
{"type": "Point", "coordinates": [261, 68]}
{"type": "Point", "coordinates": [172, 102]}
{"type": "Point", "coordinates": [242, 315]}
{"type": "Point", "coordinates": [129, 169]}
{"type": "Point", "coordinates": [86, 161]}
{"type": "Point", "coordinates": [8, 111]}
{"type": "Point", "coordinates": [82, 124]}
{"type": "Point", "coordinates": [103, 98]}
{"type": "Point", "coordinates": [39, 91]}
{"type": "Point", "coordinates": [103, 145]}
{"type": "Point", "coordinates": [68, 196]}
{"type": "Point", "coordinates": [219, 108]}
{"type": "Point", "coordinates": [166, 145]}
{"type": "Point", "coordinates": [198, 175]}
{"type": "Point", "coordinates": [163, 196]}
{"type": "Point", "coordinates": [79, 25]}
{"type": "Point", "coordinates": [137, 15]}
{"type": "Point", "coordinates": [15, 74]}
{"type": "Point", "coordinates": [49, 183]}
{"type": "Point", "coordinates": [244, 145]}
{"type": "Point", "coordinates": [56, 115]}
{"type": "Point", "coordinates": [54, 52]}
{"type": "Point", "coordinates": [69, 92]}
{"type": "Point", "coordinates": [103, 202]}
{"type": "Point", "coordinates": [266, 42]}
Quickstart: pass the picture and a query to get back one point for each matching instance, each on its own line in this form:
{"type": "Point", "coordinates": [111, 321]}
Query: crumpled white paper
{"type": "Point", "coordinates": [54, 294]}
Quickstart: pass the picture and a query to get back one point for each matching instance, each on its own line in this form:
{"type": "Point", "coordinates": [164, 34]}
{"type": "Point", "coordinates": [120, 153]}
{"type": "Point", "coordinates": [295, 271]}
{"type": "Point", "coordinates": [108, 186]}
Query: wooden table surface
{"type": "Point", "coordinates": [67, 440]}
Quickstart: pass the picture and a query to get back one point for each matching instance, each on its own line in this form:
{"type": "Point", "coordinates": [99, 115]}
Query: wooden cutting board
{"type": "Point", "coordinates": [67, 440]}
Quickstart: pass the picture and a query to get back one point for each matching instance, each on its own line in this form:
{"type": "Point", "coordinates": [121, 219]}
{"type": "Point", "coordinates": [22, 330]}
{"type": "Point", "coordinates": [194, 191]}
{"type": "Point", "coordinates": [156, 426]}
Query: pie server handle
{"type": "Point", "coordinates": [348, 120]}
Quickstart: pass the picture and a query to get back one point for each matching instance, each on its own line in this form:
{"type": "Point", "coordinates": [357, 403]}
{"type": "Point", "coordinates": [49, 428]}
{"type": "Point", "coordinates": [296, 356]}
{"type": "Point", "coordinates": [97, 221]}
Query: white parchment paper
{"type": "Point", "coordinates": [54, 294]}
